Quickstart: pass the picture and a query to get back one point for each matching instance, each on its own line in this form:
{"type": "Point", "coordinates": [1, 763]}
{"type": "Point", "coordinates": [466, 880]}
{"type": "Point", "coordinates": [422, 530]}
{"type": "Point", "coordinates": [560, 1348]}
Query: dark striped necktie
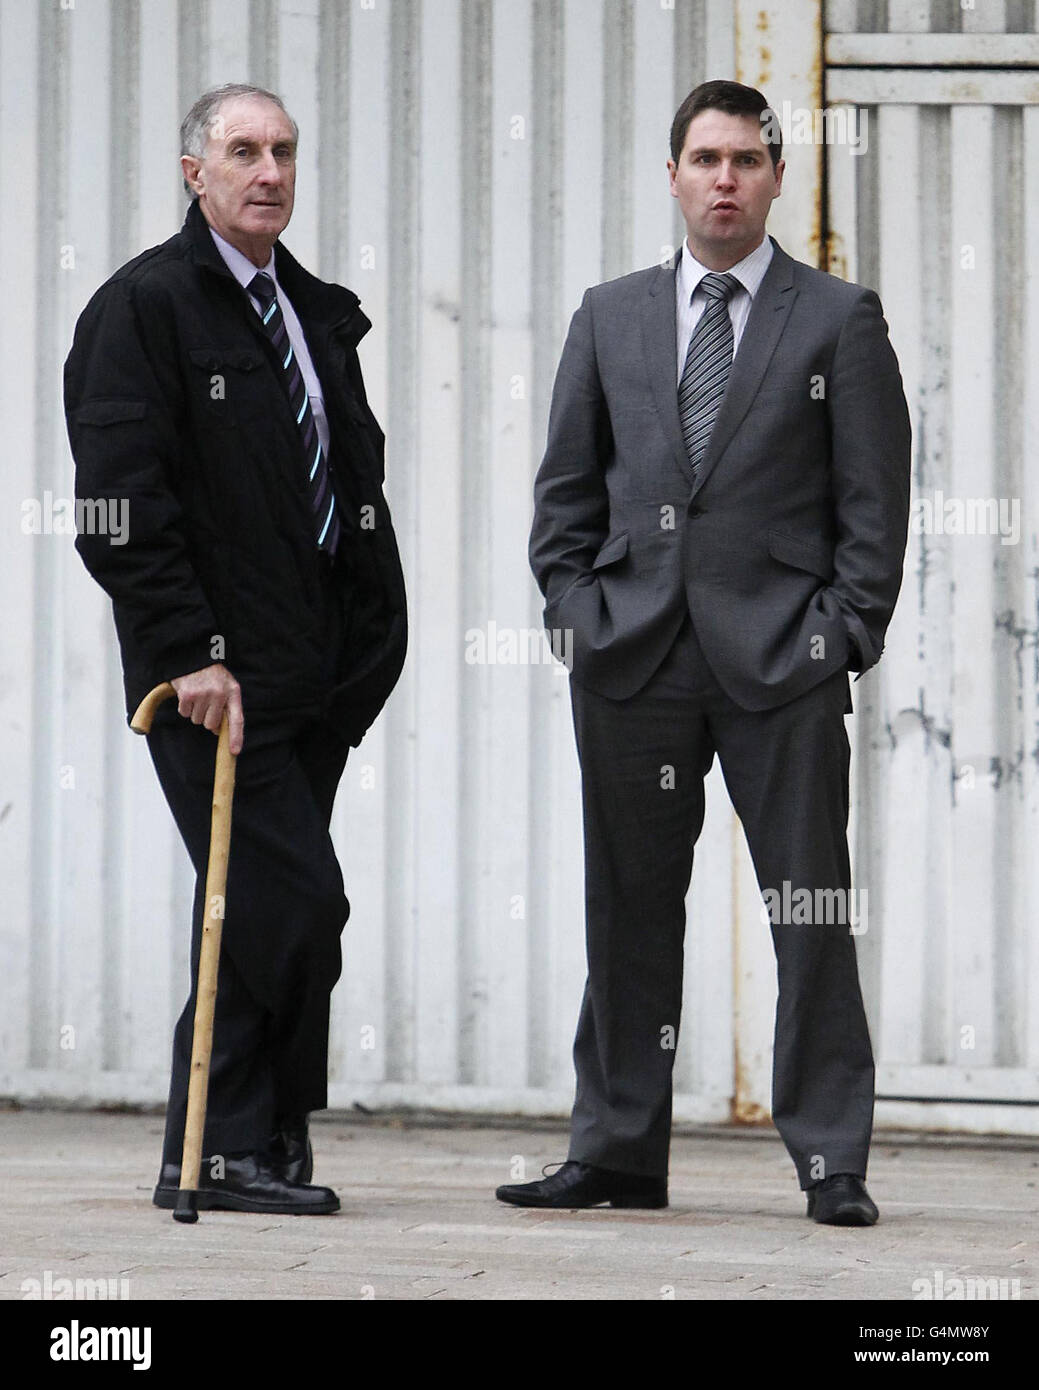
{"type": "Point", "coordinates": [706, 371]}
{"type": "Point", "coordinates": [322, 498]}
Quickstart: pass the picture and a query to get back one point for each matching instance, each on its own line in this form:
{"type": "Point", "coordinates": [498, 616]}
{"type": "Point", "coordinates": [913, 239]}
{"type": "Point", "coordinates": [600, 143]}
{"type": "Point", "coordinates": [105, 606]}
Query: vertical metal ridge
{"type": "Point", "coordinates": [976, 649]}
{"type": "Point", "coordinates": [688, 71]}
{"type": "Point", "coordinates": [123, 117]}
{"type": "Point", "coordinates": [21, 149]}
{"type": "Point", "coordinates": [930, 424]}
{"type": "Point", "coordinates": [618, 47]}
{"type": "Point", "coordinates": [1021, 16]}
{"type": "Point", "coordinates": [366, 845]}
{"type": "Point", "coordinates": [123, 242]}
{"type": "Point", "coordinates": [869, 729]}
{"type": "Point", "coordinates": [946, 17]}
{"type": "Point", "coordinates": [438, 540]}
{"type": "Point", "coordinates": [867, 268]}
{"type": "Point", "coordinates": [192, 47]}
{"type": "Point", "coordinates": [475, 521]}
{"type": "Point", "coordinates": [263, 44]}
{"type": "Point", "coordinates": [1010, 766]}
{"type": "Point", "coordinates": [1008, 212]}
{"type": "Point", "coordinates": [335, 136]}
{"type": "Point", "coordinates": [873, 16]}
{"type": "Point", "coordinates": [51, 195]}
{"type": "Point", "coordinates": [546, 204]}
{"type": "Point", "coordinates": [931, 421]}
{"type": "Point", "coordinates": [402, 240]}
{"type": "Point", "coordinates": [688, 68]}
{"type": "Point", "coordinates": [548, 36]}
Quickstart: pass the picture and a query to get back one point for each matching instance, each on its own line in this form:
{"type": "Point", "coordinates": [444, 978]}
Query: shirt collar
{"type": "Point", "coordinates": [749, 272]}
{"type": "Point", "coordinates": [240, 266]}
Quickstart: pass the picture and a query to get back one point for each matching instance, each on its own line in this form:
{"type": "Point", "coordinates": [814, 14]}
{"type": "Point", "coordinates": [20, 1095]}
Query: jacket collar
{"type": "Point", "coordinates": [761, 333]}
{"type": "Point", "coordinates": [315, 301]}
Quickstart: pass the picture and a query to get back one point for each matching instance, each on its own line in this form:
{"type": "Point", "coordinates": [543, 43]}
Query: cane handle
{"type": "Point", "coordinates": [141, 723]}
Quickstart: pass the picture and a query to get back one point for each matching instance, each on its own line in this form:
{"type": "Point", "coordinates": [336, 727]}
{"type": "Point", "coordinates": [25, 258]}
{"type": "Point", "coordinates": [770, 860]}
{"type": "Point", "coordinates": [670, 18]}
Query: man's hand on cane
{"type": "Point", "coordinates": [203, 696]}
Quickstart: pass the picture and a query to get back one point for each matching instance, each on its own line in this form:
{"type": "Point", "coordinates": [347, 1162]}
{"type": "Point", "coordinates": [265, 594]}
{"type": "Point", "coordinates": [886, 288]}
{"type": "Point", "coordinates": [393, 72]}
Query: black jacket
{"type": "Point", "coordinates": [175, 403]}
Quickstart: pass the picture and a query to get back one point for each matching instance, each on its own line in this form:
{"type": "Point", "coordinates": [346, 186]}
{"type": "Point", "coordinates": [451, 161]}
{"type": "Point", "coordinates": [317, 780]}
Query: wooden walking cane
{"type": "Point", "coordinates": [209, 958]}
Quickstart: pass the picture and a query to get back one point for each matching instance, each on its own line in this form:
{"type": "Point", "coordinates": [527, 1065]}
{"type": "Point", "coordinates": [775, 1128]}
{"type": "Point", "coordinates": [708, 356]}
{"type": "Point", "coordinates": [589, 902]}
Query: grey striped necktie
{"type": "Point", "coordinates": [706, 371]}
{"type": "Point", "coordinates": [322, 499]}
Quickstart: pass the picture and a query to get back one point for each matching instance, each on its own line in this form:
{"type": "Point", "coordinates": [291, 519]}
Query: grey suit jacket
{"type": "Point", "coordinates": [788, 547]}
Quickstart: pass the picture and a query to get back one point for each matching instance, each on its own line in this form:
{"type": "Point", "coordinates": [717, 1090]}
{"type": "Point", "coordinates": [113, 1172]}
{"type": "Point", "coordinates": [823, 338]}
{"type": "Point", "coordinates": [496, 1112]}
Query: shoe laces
{"type": "Point", "coordinates": [560, 1168]}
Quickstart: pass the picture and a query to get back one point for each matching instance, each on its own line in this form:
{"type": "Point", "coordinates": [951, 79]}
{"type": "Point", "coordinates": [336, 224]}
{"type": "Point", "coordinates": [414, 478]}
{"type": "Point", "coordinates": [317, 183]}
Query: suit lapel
{"type": "Point", "coordinates": [660, 350]}
{"type": "Point", "coordinates": [761, 333]}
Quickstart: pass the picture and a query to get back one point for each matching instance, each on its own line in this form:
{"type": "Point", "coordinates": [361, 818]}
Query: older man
{"type": "Point", "coordinates": [214, 387]}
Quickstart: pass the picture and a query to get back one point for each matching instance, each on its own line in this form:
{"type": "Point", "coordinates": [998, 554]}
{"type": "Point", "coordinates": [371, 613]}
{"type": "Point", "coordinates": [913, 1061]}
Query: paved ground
{"type": "Point", "coordinates": [419, 1220]}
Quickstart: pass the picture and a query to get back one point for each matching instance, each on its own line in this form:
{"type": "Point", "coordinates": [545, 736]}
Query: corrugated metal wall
{"type": "Point", "coordinates": [469, 166]}
{"type": "Point", "coordinates": [939, 215]}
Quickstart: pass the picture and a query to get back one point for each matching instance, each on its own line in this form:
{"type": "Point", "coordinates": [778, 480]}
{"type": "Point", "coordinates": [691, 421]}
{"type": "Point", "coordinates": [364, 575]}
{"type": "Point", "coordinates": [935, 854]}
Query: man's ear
{"type": "Point", "coordinates": [780, 167]}
{"type": "Point", "coordinates": [672, 170]}
{"type": "Point", "coordinates": [192, 171]}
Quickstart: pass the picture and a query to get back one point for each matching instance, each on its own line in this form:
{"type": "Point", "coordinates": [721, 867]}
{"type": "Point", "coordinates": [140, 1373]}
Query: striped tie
{"type": "Point", "coordinates": [322, 498]}
{"type": "Point", "coordinates": [706, 371]}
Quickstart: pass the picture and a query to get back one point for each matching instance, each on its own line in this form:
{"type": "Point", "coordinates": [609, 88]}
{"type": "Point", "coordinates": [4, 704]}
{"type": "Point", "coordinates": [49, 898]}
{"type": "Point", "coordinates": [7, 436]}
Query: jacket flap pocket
{"type": "Point", "coordinates": [614, 549]}
{"type": "Point", "coordinates": [802, 553]}
{"type": "Point", "coordinates": [215, 358]}
{"type": "Point", "coordinates": [103, 412]}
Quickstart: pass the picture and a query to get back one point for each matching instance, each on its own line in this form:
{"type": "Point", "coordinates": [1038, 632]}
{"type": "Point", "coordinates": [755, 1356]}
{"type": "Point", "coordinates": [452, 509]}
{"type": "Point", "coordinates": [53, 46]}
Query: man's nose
{"type": "Point", "coordinates": [726, 174]}
{"type": "Point", "coordinates": [270, 169]}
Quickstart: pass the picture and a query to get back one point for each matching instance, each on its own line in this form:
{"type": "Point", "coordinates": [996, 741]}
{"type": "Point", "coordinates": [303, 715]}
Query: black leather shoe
{"type": "Point", "coordinates": [842, 1200]}
{"type": "Point", "coordinates": [289, 1151]}
{"type": "Point", "coordinates": [581, 1185]}
{"type": "Point", "coordinates": [249, 1184]}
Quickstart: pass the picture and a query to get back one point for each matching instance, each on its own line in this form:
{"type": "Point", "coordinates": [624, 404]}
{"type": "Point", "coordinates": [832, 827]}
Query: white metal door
{"type": "Point", "coordinates": [937, 212]}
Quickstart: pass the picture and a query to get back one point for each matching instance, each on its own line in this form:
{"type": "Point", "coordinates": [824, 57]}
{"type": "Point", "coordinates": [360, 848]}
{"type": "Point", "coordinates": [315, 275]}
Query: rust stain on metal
{"type": "Point", "coordinates": [836, 261]}
{"type": "Point", "coordinates": [755, 67]}
{"type": "Point", "coordinates": [764, 52]}
{"type": "Point", "coordinates": [816, 237]}
{"type": "Point", "coordinates": [746, 1112]}
{"type": "Point", "coordinates": [736, 43]}
{"type": "Point", "coordinates": [742, 1110]}
{"type": "Point", "coordinates": [764, 55]}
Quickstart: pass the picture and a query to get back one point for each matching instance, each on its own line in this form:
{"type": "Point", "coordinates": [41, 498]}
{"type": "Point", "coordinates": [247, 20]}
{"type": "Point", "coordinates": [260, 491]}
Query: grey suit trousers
{"type": "Point", "coordinates": [643, 764]}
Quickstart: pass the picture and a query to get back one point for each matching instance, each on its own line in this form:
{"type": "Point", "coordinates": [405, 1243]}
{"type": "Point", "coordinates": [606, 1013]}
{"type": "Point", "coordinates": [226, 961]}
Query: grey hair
{"type": "Point", "coordinates": [195, 127]}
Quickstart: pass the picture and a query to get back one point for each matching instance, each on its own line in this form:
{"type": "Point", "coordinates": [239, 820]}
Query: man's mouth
{"type": "Point", "coordinates": [725, 206]}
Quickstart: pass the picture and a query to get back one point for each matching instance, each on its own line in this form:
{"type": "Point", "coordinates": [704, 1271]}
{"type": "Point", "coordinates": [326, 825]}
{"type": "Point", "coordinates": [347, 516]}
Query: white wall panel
{"type": "Point", "coordinates": [946, 775]}
{"type": "Point", "coordinates": [469, 168]}
{"type": "Point", "coordinates": [21, 825]}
